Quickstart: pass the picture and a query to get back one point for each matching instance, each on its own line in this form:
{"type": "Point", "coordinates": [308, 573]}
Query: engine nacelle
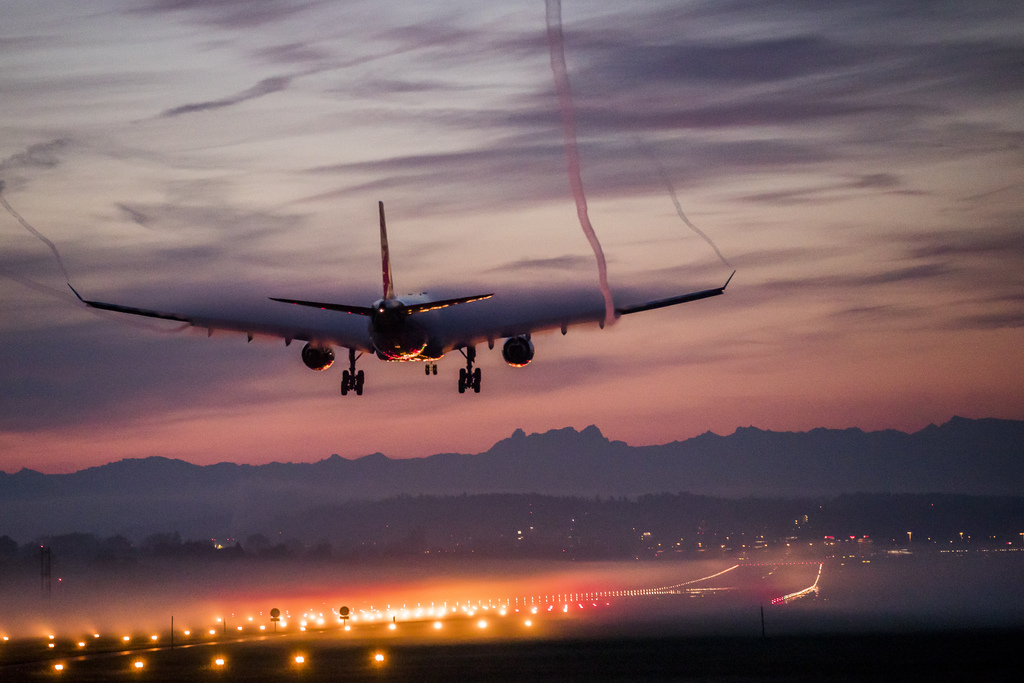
{"type": "Point", "coordinates": [517, 351]}
{"type": "Point", "coordinates": [317, 357]}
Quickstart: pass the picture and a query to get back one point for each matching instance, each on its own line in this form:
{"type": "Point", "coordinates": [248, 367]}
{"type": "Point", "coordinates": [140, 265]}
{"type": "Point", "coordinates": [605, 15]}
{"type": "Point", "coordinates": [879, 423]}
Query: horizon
{"type": "Point", "coordinates": [517, 430]}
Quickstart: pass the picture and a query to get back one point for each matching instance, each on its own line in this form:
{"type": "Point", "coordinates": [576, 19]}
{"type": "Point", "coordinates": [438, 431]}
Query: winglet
{"type": "Point", "coordinates": [385, 257]}
{"type": "Point", "coordinates": [77, 294]}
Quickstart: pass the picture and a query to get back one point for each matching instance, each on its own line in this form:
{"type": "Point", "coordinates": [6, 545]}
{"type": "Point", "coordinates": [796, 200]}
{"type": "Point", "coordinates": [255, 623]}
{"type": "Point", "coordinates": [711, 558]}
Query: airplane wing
{"type": "Point", "coordinates": [526, 314]}
{"type": "Point", "coordinates": [317, 329]}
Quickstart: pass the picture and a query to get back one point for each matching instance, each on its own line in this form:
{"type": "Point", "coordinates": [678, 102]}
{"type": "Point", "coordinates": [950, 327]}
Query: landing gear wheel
{"type": "Point", "coordinates": [469, 378]}
{"type": "Point", "coordinates": [350, 379]}
{"type": "Point", "coordinates": [434, 368]}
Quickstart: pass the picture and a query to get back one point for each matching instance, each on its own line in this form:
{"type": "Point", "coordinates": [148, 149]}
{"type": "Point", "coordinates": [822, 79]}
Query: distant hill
{"type": "Point", "coordinates": [138, 496]}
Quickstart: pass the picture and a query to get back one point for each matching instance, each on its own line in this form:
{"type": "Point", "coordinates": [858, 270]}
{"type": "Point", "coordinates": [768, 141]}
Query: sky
{"type": "Point", "coordinates": [859, 164]}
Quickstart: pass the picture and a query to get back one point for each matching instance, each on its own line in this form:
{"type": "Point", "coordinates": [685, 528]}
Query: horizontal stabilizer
{"type": "Point", "coordinates": [342, 308]}
{"type": "Point", "coordinates": [673, 300]}
{"type": "Point", "coordinates": [444, 303]}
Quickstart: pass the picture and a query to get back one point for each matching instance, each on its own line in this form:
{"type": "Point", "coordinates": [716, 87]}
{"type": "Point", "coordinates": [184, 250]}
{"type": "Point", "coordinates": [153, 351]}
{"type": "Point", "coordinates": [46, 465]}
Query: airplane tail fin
{"type": "Point", "coordinates": [385, 257]}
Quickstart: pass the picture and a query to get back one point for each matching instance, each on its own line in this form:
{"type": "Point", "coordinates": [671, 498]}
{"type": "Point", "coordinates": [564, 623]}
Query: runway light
{"type": "Point", "coordinates": [482, 623]}
{"type": "Point", "coordinates": [263, 627]}
{"type": "Point", "coordinates": [529, 623]}
{"type": "Point", "coordinates": [50, 637]}
{"type": "Point", "coordinates": [81, 643]}
{"type": "Point", "coordinates": [139, 665]}
{"type": "Point", "coordinates": [379, 658]}
{"type": "Point", "coordinates": [58, 667]}
{"type": "Point", "coordinates": [219, 661]}
{"type": "Point", "coordinates": [51, 645]}
{"type": "Point", "coordinates": [239, 628]}
{"type": "Point", "coordinates": [126, 638]}
{"type": "Point", "coordinates": [153, 637]}
{"type": "Point", "coordinates": [299, 659]}
{"type": "Point", "coordinates": [213, 631]}
{"type": "Point", "coordinates": [95, 635]}
{"type": "Point", "coordinates": [437, 625]}
{"type": "Point", "coordinates": [392, 626]}
{"type": "Point", "coordinates": [188, 633]}
{"type": "Point", "coordinates": [347, 627]}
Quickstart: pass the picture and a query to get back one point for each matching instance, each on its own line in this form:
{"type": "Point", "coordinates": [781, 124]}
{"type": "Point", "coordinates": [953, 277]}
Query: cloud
{"type": "Point", "coordinates": [230, 14]}
{"type": "Point", "coordinates": [265, 87]}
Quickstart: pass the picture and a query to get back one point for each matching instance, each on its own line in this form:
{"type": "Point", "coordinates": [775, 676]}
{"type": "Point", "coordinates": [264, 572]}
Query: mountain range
{"type": "Point", "coordinates": [133, 496]}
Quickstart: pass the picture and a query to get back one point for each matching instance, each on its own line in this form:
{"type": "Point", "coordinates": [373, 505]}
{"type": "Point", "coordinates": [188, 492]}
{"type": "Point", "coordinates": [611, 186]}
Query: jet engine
{"type": "Point", "coordinates": [517, 351]}
{"type": "Point", "coordinates": [317, 357]}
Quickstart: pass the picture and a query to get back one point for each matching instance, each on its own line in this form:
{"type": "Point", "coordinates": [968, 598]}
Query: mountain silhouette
{"type": "Point", "coordinates": [962, 456]}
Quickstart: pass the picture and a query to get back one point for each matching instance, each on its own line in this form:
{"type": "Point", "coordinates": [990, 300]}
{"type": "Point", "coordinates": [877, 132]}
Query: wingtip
{"type": "Point", "coordinates": [76, 293]}
{"type": "Point", "coordinates": [728, 281]}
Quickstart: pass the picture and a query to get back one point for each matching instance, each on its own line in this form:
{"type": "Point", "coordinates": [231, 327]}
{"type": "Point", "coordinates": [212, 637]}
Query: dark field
{"type": "Point", "coordinates": [947, 655]}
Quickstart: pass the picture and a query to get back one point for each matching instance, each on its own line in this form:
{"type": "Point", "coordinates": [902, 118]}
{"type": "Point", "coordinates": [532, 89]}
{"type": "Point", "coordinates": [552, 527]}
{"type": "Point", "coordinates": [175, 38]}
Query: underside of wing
{"type": "Point", "coordinates": [315, 329]}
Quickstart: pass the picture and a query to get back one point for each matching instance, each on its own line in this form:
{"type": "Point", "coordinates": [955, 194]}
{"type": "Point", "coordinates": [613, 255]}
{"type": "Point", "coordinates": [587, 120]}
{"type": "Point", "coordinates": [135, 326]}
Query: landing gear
{"type": "Point", "coordinates": [350, 379]}
{"type": "Point", "coordinates": [468, 377]}
{"type": "Point", "coordinates": [430, 369]}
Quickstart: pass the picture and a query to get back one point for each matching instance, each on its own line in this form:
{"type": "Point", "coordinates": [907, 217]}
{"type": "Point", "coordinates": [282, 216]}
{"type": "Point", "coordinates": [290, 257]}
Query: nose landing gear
{"type": "Point", "coordinates": [468, 377]}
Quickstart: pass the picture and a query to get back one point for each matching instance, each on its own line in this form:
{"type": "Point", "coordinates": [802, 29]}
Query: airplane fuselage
{"type": "Point", "coordinates": [398, 336]}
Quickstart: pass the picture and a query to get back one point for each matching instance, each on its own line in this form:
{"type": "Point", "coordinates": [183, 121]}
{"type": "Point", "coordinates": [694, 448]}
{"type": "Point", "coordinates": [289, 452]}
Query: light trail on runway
{"type": "Point", "coordinates": [813, 588]}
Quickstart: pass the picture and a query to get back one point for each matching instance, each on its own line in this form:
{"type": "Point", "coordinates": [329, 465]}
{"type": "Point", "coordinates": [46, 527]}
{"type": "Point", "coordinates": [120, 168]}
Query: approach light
{"type": "Point", "coordinates": [152, 637]}
{"type": "Point", "coordinates": [379, 658]}
{"type": "Point", "coordinates": [239, 628]}
{"type": "Point", "coordinates": [299, 659]}
{"type": "Point", "coordinates": [95, 635]}
{"type": "Point", "coordinates": [139, 665]}
{"type": "Point", "coordinates": [188, 633]}
{"type": "Point", "coordinates": [263, 627]}
{"type": "Point", "coordinates": [437, 625]}
{"type": "Point", "coordinates": [392, 626]}
{"type": "Point", "coordinates": [347, 627]}
{"type": "Point", "coordinates": [126, 638]}
{"type": "Point", "coordinates": [58, 667]}
{"type": "Point", "coordinates": [213, 631]}
{"type": "Point", "coordinates": [219, 661]}
{"type": "Point", "coordinates": [50, 637]}
{"type": "Point", "coordinates": [81, 643]}
{"type": "Point", "coordinates": [482, 623]}
{"type": "Point", "coordinates": [51, 645]}
{"type": "Point", "coordinates": [529, 622]}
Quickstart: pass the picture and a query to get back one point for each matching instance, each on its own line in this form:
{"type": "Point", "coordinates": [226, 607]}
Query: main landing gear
{"type": "Point", "coordinates": [350, 379]}
{"type": "Point", "coordinates": [430, 368]}
{"type": "Point", "coordinates": [468, 377]}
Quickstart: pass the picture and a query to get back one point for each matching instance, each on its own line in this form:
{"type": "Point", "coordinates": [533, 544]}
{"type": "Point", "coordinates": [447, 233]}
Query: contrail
{"type": "Point", "coordinates": [60, 262]}
{"type": "Point", "coordinates": [24, 223]}
{"type": "Point", "coordinates": [663, 174]}
{"type": "Point", "coordinates": [556, 43]}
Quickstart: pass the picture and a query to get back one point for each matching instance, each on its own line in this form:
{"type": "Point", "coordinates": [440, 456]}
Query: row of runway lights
{"type": "Point", "coordinates": [316, 619]}
{"type": "Point", "coordinates": [220, 662]}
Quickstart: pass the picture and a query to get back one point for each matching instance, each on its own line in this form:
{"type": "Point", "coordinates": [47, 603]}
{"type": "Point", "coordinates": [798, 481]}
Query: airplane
{"type": "Point", "coordinates": [410, 328]}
